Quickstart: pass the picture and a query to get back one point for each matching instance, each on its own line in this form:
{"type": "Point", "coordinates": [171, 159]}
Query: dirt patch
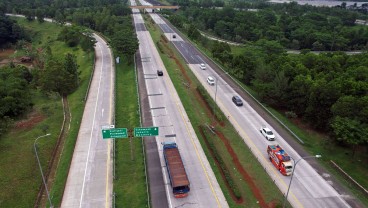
{"type": "Point", "coordinates": [232, 194]}
{"type": "Point", "coordinates": [257, 193]}
{"type": "Point", "coordinates": [5, 53]}
{"type": "Point", "coordinates": [32, 119]}
{"type": "Point", "coordinates": [5, 58]}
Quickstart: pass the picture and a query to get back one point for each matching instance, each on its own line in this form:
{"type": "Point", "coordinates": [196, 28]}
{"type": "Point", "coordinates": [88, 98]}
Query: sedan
{"type": "Point", "coordinates": [266, 132]}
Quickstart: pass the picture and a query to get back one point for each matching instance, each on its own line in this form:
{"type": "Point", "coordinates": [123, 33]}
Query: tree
{"type": "Point", "coordinates": [71, 66]}
{"type": "Point", "coordinates": [350, 131]}
{"type": "Point", "coordinates": [60, 76]}
{"type": "Point", "coordinates": [87, 41]}
{"type": "Point", "coordinates": [322, 96]}
{"type": "Point", "coordinates": [125, 42]}
{"type": "Point", "coordinates": [40, 14]}
{"type": "Point", "coordinates": [193, 32]}
{"type": "Point", "coordinates": [15, 96]}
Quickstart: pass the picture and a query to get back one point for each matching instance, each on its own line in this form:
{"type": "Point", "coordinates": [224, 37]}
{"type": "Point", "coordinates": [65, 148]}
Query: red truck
{"type": "Point", "coordinates": [175, 168]}
{"type": "Point", "coordinates": [280, 159]}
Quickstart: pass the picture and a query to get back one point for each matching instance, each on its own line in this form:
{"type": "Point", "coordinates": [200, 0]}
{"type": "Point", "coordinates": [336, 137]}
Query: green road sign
{"type": "Point", "coordinates": [114, 133]}
{"type": "Point", "coordinates": [145, 131]}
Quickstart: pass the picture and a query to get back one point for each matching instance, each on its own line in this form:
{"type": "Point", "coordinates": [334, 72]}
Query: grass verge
{"type": "Point", "coordinates": [199, 116]}
{"type": "Point", "coordinates": [19, 187]}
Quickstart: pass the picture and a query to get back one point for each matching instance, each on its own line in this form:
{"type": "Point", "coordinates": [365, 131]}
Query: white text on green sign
{"type": "Point", "coordinates": [146, 131]}
{"type": "Point", "coordinates": [114, 133]}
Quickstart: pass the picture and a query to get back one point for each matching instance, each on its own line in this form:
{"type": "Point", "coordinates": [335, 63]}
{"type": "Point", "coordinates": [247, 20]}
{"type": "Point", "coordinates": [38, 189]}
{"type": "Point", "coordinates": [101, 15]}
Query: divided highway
{"type": "Point", "coordinates": [169, 115]}
{"type": "Point", "coordinates": [89, 182]}
{"type": "Point", "coordinates": [308, 188]}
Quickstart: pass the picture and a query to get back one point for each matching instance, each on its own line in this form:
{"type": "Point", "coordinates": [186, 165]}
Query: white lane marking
{"type": "Point", "coordinates": [102, 113]}
{"type": "Point", "coordinates": [93, 123]}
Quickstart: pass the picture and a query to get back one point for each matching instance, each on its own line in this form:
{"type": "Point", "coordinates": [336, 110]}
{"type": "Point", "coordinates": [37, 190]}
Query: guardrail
{"type": "Point", "coordinates": [140, 123]}
{"type": "Point", "coordinates": [365, 191]}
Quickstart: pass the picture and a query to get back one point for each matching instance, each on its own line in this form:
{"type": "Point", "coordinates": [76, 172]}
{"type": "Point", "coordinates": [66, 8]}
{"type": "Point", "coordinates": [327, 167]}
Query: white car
{"type": "Point", "coordinates": [202, 66]}
{"type": "Point", "coordinates": [267, 133]}
{"type": "Point", "coordinates": [210, 80]}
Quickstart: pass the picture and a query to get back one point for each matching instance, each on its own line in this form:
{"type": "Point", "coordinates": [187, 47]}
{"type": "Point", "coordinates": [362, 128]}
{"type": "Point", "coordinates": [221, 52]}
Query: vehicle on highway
{"type": "Point", "coordinates": [160, 72]}
{"type": "Point", "coordinates": [210, 80]}
{"type": "Point", "coordinates": [236, 99]}
{"type": "Point", "coordinates": [202, 66]}
{"type": "Point", "coordinates": [267, 133]}
{"type": "Point", "coordinates": [178, 177]}
{"type": "Point", "coordinates": [280, 159]}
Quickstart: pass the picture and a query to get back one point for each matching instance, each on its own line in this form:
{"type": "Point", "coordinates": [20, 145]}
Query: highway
{"type": "Point", "coordinates": [308, 188]}
{"type": "Point", "coordinates": [169, 115]}
{"type": "Point", "coordinates": [89, 183]}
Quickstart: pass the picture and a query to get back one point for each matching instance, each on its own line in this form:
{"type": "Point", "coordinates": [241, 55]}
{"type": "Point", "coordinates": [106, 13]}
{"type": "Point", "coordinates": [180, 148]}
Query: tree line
{"type": "Point", "coordinates": [294, 26]}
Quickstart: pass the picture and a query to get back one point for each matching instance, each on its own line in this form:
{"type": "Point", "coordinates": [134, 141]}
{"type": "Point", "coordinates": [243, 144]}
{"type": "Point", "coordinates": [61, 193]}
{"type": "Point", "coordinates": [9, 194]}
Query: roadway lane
{"type": "Point", "coordinates": [169, 115]}
{"type": "Point", "coordinates": [89, 182]}
{"type": "Point", "coordinates": [308, 189]}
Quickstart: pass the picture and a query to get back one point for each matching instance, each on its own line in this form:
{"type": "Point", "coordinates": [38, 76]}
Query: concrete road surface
{"type": "Point", "coordinates": [169, 115]}
{"type": "Point", "coordinates": [89, 182]}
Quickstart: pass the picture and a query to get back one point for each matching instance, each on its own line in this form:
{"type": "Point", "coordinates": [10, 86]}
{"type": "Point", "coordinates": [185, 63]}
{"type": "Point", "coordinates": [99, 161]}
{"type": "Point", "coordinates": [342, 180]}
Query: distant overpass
{"type": "Point", "coordinates": [153, 7]}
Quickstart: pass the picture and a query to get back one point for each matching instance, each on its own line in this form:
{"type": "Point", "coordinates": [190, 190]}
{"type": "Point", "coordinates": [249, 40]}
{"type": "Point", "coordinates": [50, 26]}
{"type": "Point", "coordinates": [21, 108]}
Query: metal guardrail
{"type": "Point", "coordinates": [90, 79]}
{"type": "Point", "coordinates": [140, 123]}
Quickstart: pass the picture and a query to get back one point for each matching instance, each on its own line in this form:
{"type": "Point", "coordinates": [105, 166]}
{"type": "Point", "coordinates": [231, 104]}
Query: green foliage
{"type": "Point", "coordinates": [294, 26]}
{"type": "Point", "coordinates": [10, 32]}
{"type": "Point", "coordinates": [125, 42]}
{"type": "Point", "coordinates": [60, 76]}
{"type": "Point", "coordinates": [193, 32]}
{"type": "Point", "coordinates": [75, 35]}
{"type": "Point", "coordinates": [15, 97]}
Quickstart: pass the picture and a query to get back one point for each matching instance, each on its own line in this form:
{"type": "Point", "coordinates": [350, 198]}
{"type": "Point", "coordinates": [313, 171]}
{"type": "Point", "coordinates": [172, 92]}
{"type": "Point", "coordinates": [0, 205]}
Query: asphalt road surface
{"type": "Point", "coordinates": [89, 182]}
{"type": "Point", "coordinates": [308, 188]}
{"type": "Point", "coordinates": [169, 115]}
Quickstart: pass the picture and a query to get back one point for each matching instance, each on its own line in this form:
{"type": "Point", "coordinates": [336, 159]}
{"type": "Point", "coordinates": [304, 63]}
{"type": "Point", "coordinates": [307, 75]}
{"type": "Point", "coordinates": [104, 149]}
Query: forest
{"type": "Point", "coordinates": [292, 25]}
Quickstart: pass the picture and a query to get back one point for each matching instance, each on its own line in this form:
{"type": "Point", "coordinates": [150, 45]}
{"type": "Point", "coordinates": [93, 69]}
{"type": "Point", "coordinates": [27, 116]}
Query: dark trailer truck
{"type": "Point", "coordinates": [175, 168]}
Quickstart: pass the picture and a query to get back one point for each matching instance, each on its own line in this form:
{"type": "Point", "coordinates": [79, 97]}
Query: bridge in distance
{"type": "Point", "coordinates": [154, 7]}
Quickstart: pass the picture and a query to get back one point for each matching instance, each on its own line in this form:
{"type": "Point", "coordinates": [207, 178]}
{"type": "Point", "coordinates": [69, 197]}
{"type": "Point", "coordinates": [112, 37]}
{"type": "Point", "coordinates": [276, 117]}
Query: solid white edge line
{"type": "Point", "coordinates": [93, 123]}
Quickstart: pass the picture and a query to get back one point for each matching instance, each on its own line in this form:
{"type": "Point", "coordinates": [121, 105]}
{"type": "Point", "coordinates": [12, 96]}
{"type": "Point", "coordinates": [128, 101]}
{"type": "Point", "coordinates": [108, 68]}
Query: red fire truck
{"type": "Point", "coordinates": [280, 159]}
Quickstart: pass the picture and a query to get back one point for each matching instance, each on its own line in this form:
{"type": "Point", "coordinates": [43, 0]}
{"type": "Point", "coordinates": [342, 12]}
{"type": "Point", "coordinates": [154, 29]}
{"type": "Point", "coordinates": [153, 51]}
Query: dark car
{"type": "Point", "coordinates": [236, 99]}
{"type": "Point", "coordinates": [160, 73]}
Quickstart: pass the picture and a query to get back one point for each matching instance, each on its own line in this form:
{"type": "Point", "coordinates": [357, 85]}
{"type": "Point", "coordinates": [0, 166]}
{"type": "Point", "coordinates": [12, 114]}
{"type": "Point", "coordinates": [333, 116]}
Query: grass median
{"type": "Point", "coordinates": [130, 181]}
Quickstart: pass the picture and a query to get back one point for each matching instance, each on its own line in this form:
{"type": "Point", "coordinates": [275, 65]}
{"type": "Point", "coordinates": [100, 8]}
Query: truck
{"type": "Point", "coordinates": [280, 159]}
{"type": "Point", "coordinates": [176, 171]}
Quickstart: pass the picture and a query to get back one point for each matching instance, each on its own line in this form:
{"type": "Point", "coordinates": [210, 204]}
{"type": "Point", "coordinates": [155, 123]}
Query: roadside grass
{"type": "Point", "coordinates": [20, 177]}
{"type": "Point", "coordinates": [76, 105]}
{"type": "Point", "coordinates": [19, 187]}
{"type": "Point", "coordinates": [130, 186]}
{"type": "Point", "coordinates": [317, 143]}
{"type": "Point", "coordinates": [199, 117]}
